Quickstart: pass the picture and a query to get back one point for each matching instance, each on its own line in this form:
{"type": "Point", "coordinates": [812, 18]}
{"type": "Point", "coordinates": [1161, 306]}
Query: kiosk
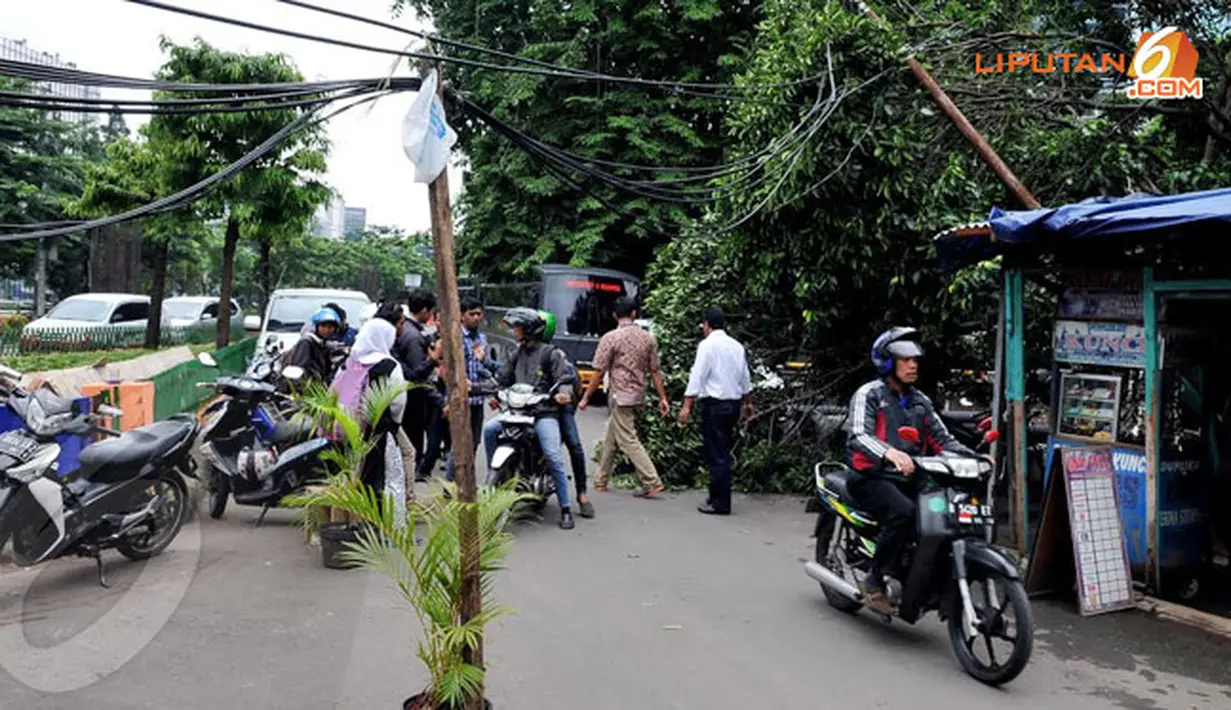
{"type": "Point", "coordinates": [1140, 362]}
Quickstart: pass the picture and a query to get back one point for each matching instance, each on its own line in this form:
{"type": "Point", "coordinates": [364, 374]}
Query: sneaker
{"type": "Point", "coordinates": [566, 520]}
{"type": "Point", "coordinates": [650, 492]}
{"type": "Point", "coordinates": [585, 509]}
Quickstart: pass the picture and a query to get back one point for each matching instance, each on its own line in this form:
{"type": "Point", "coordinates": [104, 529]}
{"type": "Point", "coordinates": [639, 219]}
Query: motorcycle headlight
{"type": "Point", "coordinates": [40, 423]}
{"type": "Point", "coordinates": [966, 468]}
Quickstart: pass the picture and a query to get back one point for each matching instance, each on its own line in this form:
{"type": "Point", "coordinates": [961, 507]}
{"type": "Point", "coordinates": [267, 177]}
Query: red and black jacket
{"type": "Point", "coordinates": [876, 413]}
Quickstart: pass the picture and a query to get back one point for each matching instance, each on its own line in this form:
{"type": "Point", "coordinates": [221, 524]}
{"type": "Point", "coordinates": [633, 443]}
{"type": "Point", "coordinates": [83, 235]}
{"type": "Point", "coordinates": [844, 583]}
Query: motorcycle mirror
{"type": "Point", "coordinates": [908, 433]}
{"type": "Point", "coordinates": [992, 436]}
{"type": "Point", "coordinates": [292, 372]}
{"type": "Point", "coordinates": [207, 360]}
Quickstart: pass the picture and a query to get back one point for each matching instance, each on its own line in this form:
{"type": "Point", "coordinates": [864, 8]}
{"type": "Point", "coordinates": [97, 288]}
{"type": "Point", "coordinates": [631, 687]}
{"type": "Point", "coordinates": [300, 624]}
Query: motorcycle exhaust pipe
{"type": "Point", "coordinates": [126, 524]}
{"type": "Point", "coordinates": [832, 581]}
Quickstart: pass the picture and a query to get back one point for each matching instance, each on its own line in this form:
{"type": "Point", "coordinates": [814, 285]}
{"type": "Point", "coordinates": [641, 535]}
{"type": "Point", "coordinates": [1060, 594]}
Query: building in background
{"type": "Point", "coordinates": [335, 220]}
{"type": "Point", "coordinates": [18, 51]}
{"type": "Point", "coordinates": [354, 222]}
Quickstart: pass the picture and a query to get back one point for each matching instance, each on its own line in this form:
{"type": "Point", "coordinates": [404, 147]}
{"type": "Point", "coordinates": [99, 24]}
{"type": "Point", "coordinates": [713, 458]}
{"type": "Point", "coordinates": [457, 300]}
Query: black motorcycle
{"type": "Point", "coordinates": [254, 448]}
{"type": "Point", "coordinates": [518, 454]}
{"type": "Point", "coordinates": [128, 494]}
{"type": "Point", "coordinates": [948, 568]}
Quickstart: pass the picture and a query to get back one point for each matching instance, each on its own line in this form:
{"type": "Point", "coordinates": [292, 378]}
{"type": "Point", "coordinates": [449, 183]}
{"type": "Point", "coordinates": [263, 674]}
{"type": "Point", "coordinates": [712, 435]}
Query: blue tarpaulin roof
{"type": "Point", "coordinates": [1099, 218]}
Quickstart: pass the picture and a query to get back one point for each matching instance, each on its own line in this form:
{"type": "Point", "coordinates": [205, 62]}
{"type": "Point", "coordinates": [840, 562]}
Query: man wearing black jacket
{"type": "Point", "coordinates": [419, 361]}
{"type": "Point", "coordinates": [882, 458]}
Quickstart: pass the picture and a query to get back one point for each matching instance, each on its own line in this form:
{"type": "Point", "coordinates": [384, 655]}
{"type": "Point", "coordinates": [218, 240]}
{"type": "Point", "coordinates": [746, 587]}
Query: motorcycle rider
{"type": "Point", "coordinates": [881, 457]}
{"type": "Point", "coordinates": [312, 352]}
{"type": "Point", "coordinates": [536, 362]}
{"type": "Point", "coordinates": [346, 332]}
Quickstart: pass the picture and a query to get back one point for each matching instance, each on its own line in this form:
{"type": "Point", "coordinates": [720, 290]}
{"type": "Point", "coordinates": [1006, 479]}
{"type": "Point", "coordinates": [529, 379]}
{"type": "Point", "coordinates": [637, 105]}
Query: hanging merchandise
{"type": "Point", "coordinates": [426, 136]}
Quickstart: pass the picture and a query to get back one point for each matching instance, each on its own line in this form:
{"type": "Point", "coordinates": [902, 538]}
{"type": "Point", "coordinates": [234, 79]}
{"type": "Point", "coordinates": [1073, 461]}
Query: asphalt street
{"type": "Point", "coordinates": [648, 606]}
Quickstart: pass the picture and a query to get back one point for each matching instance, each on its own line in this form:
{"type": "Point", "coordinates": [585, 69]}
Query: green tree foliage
{"type": "Point", "coordinates": [42, 166]}
{"type": "Point", "coordinates": [517, 215]}
{"type": "Point", "coordinates": [843, 249]}
{"type": "Point", "coordinates": [283, 181]}
{"type": "Point", "coordinates": [321, 262]}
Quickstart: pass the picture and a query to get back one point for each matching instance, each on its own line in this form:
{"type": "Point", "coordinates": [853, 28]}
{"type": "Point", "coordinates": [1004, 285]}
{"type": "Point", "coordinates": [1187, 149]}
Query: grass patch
{"type": "Point", "coordinates": [41, 362]}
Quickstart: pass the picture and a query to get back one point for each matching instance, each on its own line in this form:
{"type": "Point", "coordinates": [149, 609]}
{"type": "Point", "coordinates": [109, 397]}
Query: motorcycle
{"type": "Point", "coordinates": [255, 453]}
{"type": "Point", "coordinates": [128, 494]}
{"type": "Point", "coordinates": [949, 567]}
{"type": "Point", "coordinates": [518, 454]}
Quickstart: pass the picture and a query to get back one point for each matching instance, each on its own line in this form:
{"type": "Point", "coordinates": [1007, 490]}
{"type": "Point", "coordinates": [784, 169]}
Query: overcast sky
{"type": "Point", "coordinates": [366, 165]}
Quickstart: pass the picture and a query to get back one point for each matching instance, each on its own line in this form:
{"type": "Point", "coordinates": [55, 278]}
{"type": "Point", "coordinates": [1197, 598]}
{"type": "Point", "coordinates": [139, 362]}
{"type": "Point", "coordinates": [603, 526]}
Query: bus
{"type": "Point", "coordinates": [582, 299]}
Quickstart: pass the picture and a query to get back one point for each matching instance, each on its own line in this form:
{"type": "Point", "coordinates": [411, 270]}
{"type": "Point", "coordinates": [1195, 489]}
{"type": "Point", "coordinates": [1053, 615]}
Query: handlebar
{"type": "Point", "coordinates": [9, 373]}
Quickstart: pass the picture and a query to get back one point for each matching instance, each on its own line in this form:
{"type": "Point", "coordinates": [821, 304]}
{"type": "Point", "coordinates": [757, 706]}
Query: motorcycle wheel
{"type": "Point", "coordinates": [1010, 596]}
{"type": "Point", "coordinates": [219, 492]}
{"type": "Point", "coordinates": [169, 517]}
{"type": "Point", "coordinates": [826, 528]}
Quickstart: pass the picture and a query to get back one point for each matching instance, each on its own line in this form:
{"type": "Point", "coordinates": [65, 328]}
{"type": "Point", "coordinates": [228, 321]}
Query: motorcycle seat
{"type": "Point", "coordinates": [837, 481]}
{"type": "Point", "coordinates": [961, 417]}
{"type": "Point", "coordinates": [123, 457]}
{"type": "Point", "coordinates": [291, 432]}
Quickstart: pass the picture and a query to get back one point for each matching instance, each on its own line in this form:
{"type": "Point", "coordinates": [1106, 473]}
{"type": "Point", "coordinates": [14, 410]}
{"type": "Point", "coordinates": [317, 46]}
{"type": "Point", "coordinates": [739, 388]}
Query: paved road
{"type": "Point", "coordinates": [648, 606]}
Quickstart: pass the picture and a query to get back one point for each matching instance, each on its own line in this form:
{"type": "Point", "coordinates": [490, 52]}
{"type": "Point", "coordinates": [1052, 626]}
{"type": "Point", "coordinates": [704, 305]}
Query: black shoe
{"type": "Point", "coordinates": [709, 509]}
{"type": "Point", "coordinates": [566, 520]}
{"type": "Point", "coordinates": [586, 509]}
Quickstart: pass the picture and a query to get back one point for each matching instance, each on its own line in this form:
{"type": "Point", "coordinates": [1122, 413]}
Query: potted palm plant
{"type": "Point", "coordinates": [427, 573]}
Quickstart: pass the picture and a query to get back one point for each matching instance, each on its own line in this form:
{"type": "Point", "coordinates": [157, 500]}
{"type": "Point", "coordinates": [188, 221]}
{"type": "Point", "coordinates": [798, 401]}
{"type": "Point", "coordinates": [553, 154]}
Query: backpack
{"type": "Point", "coordinates": [351, 383]}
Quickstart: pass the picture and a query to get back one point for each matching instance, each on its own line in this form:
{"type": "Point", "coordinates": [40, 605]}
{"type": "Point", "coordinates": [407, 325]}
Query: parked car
{"type": "Point", "coordinates": [108, 315]}
{"type": "Point", "coordinates": [290, 310]}
{"type": "Point", "coordinates": [184, 311]}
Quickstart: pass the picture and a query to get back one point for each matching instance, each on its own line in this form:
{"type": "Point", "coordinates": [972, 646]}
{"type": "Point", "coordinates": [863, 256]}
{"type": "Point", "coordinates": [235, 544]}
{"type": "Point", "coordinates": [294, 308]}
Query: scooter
{"type": "Point", "coordinates": [948, 568]}
{"type": "Point", "coordinates": [255, 454]}
{"type": "Point", "coordinates": [128, 494]}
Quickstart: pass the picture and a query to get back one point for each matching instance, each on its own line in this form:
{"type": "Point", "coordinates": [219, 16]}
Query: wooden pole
{"type": "Point", "coordinates": [954, 114]}
{"type": "Point", "coordinates": [458, 386]}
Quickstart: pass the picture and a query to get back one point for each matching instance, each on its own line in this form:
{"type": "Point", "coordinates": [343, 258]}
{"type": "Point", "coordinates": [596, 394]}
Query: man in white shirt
{"type": "Point", "coordinates": [721, 381]}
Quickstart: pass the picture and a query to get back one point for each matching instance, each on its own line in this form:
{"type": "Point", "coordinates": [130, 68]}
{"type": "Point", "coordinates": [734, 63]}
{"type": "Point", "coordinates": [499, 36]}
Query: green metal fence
{"type": "Point", "coordinates": [16, 340]}
{"type": "Point", "coordinates": [175, 389]}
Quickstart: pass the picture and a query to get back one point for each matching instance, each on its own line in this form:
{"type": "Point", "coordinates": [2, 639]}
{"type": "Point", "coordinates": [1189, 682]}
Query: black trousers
{"type": "Point", "coordinates": [718, 420]}
{"type": "Point", "coordinates": [438, 438]}
{"type": "Point", "coordinates": [892, 504]}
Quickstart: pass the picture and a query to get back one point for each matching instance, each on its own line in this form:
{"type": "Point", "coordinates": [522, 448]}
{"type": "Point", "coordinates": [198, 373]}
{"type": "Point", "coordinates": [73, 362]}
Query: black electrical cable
{"type": "Point", "coordinates": [154, 108]}
{"type": "Point", "coordinates": [201, 101]}
{"type": "Point", "coordinates": [65, 75]}
{"type": "Point", "coordinates": [465, 62]}
{"type": "Point", "coordinates": [557, 69]}
{"type": "Point", "coordinates": [191, 192]}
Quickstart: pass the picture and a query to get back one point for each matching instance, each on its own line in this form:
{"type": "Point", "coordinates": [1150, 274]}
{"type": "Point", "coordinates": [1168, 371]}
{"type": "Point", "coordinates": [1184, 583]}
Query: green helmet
{"type": "Point", "coordinates": [549, 325]}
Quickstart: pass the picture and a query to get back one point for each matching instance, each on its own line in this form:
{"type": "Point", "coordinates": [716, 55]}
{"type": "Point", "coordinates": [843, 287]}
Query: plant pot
{"type": "Point", "coordinates": [415, 702]}
{"type": "Point", "coordinates": [334, 537]}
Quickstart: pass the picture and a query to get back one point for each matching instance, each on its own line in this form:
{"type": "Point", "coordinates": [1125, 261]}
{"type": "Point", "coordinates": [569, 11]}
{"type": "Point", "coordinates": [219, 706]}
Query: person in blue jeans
{"type": "Point", "coordinates": [536, 362]}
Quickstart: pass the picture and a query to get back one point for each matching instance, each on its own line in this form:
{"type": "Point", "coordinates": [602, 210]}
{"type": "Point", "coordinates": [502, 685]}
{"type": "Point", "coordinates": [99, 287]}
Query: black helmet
{"type": "Point", "coordinates": [532, 322]}
{"type": "Point", "coordinates": [897, 343]}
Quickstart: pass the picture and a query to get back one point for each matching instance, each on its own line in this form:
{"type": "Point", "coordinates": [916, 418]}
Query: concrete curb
{"type": "Point", "coordinates": [1210, 623]}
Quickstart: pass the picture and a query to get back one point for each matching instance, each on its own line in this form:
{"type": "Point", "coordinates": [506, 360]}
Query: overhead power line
{"type": "Point", "coordinates": [559, 73]}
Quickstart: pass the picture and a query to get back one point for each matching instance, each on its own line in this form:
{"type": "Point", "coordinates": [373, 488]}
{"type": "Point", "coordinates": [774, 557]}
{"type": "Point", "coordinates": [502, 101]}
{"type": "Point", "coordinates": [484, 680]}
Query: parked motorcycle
{"type": "Point", "coordinates": [948, 568]}
{"type": "Point", "coordinates": [254, 452]}
{"type": "Point", "coordinates": [128, 494]}
{"type": "Point", "coordinates": [518, 454]}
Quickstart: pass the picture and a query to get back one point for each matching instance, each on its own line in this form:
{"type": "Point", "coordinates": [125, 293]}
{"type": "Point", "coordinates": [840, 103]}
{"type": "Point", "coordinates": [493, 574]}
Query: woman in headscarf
{"type": "Point", "coordinates": [371, 362]}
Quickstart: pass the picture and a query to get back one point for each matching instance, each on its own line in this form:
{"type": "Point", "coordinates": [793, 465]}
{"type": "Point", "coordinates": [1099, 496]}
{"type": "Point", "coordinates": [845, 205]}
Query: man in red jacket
{"type": "Point", "coordinates": [882, 458]}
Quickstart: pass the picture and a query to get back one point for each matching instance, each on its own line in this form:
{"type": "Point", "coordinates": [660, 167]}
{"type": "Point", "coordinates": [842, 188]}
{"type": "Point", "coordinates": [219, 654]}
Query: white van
{"type": "Point", "coordinates": [290, 309]}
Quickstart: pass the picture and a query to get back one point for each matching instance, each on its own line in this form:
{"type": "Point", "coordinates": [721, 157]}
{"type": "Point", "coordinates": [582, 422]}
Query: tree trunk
{"type": "Point", "coordinates": [265, 270]}
{"type": "Point", "coordinates": [228, 275]}
{"type": "Point", "coordinates": [153, 328]}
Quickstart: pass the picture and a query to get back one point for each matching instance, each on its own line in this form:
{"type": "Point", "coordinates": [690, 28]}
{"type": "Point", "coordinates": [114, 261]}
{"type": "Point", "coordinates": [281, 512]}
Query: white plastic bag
{"type": "Point", "coordinates": [426, 135]}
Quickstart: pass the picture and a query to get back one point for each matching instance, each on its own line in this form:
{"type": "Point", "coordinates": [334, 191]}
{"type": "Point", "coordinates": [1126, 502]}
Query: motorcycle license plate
{"type": "Point", "coordinates": [17, 445]}
{"type": "Point", "coordinates": [970, 514]}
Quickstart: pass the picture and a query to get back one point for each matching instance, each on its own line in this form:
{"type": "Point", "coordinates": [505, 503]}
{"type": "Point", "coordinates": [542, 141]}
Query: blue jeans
{"type": "Point", "coordinates": [548, 431]}
{"type": "Point", "coordinates": [572, 439]}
